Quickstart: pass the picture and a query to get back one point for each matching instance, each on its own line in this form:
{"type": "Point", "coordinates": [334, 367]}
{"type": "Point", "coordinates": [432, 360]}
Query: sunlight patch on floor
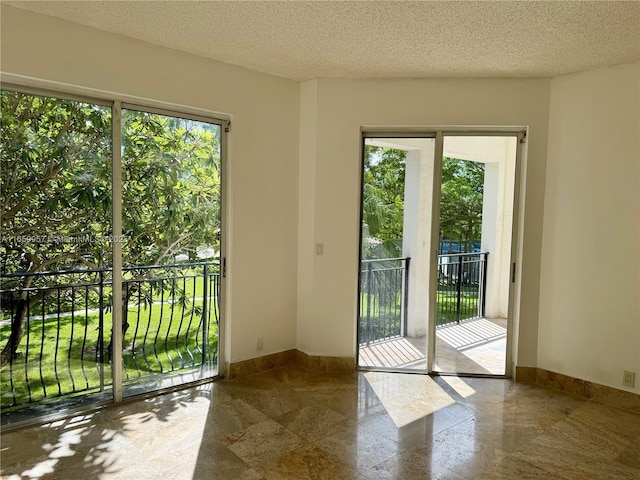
{"type": "Point", "coordinates": [460, 386]}
{"type": "Point", "coordinates": [407, 397]}
{"type": "Point", "coordinates": [397, 352]}
{"type": "Point", "coordinates": [471, 334]}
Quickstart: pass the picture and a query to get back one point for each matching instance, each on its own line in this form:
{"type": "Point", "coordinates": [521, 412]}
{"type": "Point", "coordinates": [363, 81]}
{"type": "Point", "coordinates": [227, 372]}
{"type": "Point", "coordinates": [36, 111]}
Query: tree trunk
{"type": "Point", "coordinates": [125, 325]}
{"type": "Point", "coordinates": [10, 350]}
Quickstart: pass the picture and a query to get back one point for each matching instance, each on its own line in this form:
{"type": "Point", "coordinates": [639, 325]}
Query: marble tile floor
{"type": "Point", "coordinates": [294, 424]}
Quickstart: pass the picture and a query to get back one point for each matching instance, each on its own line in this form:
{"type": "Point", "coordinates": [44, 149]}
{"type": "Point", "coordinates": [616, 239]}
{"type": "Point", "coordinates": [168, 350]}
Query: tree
{"type": "Point", "coordinates": [461, 201]}
{"type": "Point", "coordinates": [56, 192]}
{"type": "Point", "coordinates": [383, 202]}
{"type": "Point", "coordinates": [171, 187]}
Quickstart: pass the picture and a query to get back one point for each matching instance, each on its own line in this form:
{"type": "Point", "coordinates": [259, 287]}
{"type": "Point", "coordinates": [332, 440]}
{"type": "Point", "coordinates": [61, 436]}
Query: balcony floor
{"type": "Point", "coordinates": [474, 346]}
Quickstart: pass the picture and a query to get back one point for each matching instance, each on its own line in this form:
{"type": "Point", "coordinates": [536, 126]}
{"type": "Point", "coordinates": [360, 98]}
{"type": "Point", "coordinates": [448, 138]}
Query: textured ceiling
{"type": "Point", "coordinates": [303, 40]}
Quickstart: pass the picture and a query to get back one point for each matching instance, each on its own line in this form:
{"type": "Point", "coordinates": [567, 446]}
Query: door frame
{"type": "Point", "coordinates": [439, 133]}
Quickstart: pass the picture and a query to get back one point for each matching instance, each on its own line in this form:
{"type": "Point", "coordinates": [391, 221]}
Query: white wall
{"type": "Point", "coordinates": [590, 281]}
{"type": "Point", "coordinates": [306, 210]}
{"type": "Point", "coordinates": [342, 107]}
{"type": "Point", "coordinates": [263, 146]}
{"type": "Point", "coordinates": [279, 289]}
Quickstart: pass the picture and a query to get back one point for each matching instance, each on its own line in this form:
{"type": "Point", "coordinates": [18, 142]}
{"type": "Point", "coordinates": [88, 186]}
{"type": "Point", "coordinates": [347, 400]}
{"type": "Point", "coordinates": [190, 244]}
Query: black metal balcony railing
{"type": "Point", "coordinates": [384, 293]}
{"type": "Point", "coordinates": [462, 279]}
{"type": "Point", "coordinates": [170, 325]}
{"type": "Point", "coordinates": [383, 299]}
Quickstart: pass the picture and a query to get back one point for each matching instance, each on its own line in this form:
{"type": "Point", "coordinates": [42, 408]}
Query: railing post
{"type": "Point", "coordinates": [439, 281]}
{"type": "Point", "coordinates": [405, 296]}
{"type": "Point", "coordinates": [101, 329]}
{"type": "Point", "coordinates": [205, 314]}
{"type": "Point", "coordinates": [459, 290]}
{"type": "Point", "coordinates": [483, 286]}
{"type": "Point", "coordinates": [369, 288]}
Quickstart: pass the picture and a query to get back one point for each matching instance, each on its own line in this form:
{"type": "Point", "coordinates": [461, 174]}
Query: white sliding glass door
{"type": "Point", "coordinates": [436, 268]}
{"type": "Point", "coordinates": [111, 216]}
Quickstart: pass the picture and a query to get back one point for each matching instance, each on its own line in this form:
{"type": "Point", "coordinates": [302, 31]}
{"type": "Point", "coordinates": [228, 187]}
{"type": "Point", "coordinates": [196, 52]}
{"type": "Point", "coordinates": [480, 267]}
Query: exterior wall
{"type": "Point", "coordinates": [590, 281]}
{"type": "Point", "coordinates": [263, 171]}
{"type": "Point", "coordinates": [342, 108]}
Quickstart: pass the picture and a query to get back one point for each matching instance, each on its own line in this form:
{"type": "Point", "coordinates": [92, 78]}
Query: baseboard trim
{"type": "Point", "coordinates": [525, 374]}
{"type": "Point", "coordinates": [272, 361]}
{"type": "Point", "coordinates": [600, 393]}
{"type": "Point", "coordinates": [583, 388]}
{"type": "Point", "coordinates": [325, 364]}
{"type": "Point", "coordinates": [262, 364]}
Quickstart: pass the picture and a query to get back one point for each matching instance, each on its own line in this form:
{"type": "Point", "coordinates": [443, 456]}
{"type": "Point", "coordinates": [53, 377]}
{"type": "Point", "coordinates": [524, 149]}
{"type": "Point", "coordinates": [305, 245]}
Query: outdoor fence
{"type": "Point", "coordinates": [384, 290]}
{"type": "Point", "coordinates": [170, 325]}
{"type": "Point", "coordinates": [383, 299]}
{"type": "Point", "coordinates": [462, 280]}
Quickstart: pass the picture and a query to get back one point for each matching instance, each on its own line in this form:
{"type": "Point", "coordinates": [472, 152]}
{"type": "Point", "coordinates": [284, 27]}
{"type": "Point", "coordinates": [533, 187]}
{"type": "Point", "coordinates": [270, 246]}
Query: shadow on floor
{"type": "Point", "coordinates": [476, 346]}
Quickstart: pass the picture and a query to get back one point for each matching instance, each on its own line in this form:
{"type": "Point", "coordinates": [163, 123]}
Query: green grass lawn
{"type": "Point", "coordinates": [384, 315]}
{"type": "Point", "coordinates": [446, 305]}
{"type": "Point", "coordinates": [60, 355]}
{"type": "Point", "coordinates": [189, 284]}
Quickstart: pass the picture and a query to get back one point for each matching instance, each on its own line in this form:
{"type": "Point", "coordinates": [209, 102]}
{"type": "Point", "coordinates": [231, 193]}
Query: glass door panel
{"type": "Point", "coordinates": [474, 254]}
{"type": "Point", "coordinates": [55, 252]}
{"type": "Point", "coordinates": [394, 260]}
{"type": "Point", "coordinates": [171, 249]}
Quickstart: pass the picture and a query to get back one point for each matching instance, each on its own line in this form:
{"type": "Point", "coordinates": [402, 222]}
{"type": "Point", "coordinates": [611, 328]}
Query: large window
{"type": "Point", "coordinates": [58, 273]}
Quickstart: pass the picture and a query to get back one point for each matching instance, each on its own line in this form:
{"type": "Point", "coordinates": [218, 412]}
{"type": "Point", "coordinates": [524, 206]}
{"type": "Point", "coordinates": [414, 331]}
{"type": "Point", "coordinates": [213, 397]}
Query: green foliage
{"type": "Point", "coordinates": [55, 182]}
{"type": "Point", "coordinates": [56, 185]}
{"type": "Point", "coordinates": [56, 206]}
{"type": "Point", "coordinates": [383, 202]}
{"type": "Point", "coordinates": [383, 315]}
{"type": "Point", "coordinates": [170, 189]}
{"type": "Point", "coordinates": [461, 200]}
